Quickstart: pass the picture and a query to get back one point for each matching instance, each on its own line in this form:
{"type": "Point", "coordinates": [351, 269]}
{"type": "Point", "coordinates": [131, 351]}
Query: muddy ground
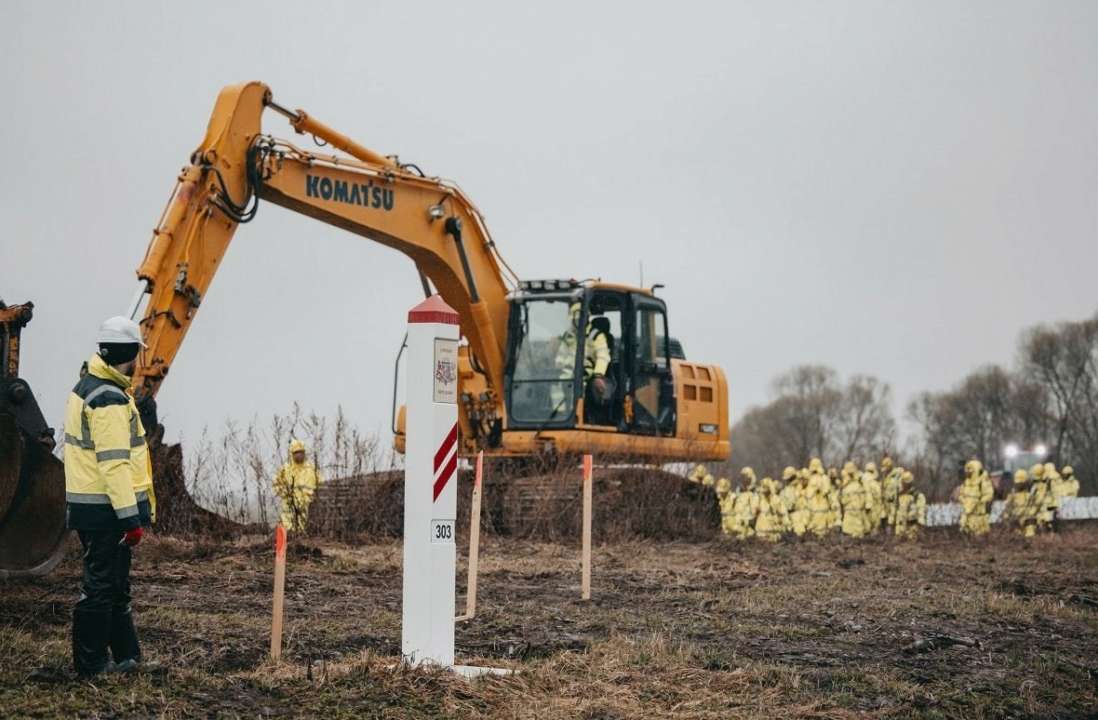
{"type": "Point", "coordinates": [942, 628]}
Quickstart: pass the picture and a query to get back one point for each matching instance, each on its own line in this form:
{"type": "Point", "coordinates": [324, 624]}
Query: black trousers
{"type": "Point", "coordinates": [102, 618]}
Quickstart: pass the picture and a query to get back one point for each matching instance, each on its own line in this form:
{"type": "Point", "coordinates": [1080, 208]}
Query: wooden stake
{"type": "Point", "coordinates": [474, 543]}
{"type": "Point", "coordinates": [279, 592]}
{"type": "Point", "coordinates": [585, 586]}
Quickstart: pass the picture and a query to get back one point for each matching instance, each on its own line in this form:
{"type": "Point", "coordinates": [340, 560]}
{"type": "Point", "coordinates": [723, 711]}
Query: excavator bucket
{"type": "Point", "coordinates": [32, 480]}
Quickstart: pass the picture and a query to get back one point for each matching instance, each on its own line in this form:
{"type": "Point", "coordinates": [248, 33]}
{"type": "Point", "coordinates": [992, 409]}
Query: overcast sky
{"type": "Point", "coordinates": [893, 188]}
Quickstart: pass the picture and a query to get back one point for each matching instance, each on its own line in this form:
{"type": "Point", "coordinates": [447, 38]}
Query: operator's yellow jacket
{"type": "Point", "coordinates": [108, 472]}
{"type": "Point", "coordinates": [296, 484]}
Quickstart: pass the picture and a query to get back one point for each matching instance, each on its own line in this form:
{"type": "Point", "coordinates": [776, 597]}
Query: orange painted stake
{"type": "Point", "coordinates": [474, 543]}
{"type": "Point", "coordinates": [585, 586]}
{"type": "Point", "coordinates": [279, 592]}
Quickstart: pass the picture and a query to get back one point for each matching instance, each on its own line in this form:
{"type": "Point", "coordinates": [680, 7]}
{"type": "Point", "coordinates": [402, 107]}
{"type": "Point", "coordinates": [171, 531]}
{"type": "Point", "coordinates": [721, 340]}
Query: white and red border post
{"type": "Point", "coordinates": [430, 484]}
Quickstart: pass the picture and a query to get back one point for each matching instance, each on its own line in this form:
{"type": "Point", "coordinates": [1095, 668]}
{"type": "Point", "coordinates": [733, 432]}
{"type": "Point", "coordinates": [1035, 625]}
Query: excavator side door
{"type": "Point", "coordinates": [653, 389]}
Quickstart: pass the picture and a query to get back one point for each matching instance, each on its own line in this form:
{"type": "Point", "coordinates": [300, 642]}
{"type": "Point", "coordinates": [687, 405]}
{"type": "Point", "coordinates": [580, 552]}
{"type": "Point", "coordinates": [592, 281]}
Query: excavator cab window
{"type": "Point", "coordinates": [653, 387]}
{"type": "Point", "coordinates": [544, 355]}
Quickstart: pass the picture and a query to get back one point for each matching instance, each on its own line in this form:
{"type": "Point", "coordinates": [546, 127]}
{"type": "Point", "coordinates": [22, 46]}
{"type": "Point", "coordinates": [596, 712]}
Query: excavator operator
{"type": "Point", "coordinates": [598, 388]}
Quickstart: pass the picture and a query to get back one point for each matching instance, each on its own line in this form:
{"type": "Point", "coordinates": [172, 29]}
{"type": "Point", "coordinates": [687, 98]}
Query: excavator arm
{"type": "Point", "coordinates": [426, 218]}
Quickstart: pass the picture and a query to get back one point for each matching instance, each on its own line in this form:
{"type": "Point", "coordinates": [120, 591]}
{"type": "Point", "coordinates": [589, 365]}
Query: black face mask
{"type": "Point", "coordinates": [118, 353]}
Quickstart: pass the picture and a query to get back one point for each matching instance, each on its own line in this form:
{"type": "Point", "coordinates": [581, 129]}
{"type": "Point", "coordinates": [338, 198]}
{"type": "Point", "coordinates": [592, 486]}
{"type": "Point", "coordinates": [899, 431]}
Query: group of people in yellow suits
{"type": "Point", "coordinates": [1031, 506]}
{"type": "Point", "coordinates": [853, 501]}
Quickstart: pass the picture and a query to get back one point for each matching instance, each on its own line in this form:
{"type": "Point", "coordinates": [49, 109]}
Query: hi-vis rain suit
{"type": "Point", "coordinates": [771, 519]}
{"type": "Point", "coordinates": [910, 514]}
{"type": "Point", "coordinates": [108, 490]}
{"type": "Point", "coordinates": [854, 501]}
{"type": "Point", "coordinates": [295, 485]}
{"type": "Point", "coordinates": [975, 495]}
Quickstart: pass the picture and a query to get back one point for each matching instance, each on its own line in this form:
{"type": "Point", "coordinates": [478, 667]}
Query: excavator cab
{"type": "Point", "coordinates": [564, 334]}
{"type": "Point", "coordinates": [32, 480]}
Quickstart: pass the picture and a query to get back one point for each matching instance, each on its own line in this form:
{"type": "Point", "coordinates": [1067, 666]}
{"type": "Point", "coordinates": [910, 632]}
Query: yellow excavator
{"type": "Point", "coordinates": [525, 385]}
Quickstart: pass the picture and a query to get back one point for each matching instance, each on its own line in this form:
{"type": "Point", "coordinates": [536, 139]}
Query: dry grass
{"type": "Point", "coordinates": [692, 630]}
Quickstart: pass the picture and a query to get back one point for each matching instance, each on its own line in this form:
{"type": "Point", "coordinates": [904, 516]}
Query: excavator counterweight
{"type": "Point", "coordinates": [32, 480]}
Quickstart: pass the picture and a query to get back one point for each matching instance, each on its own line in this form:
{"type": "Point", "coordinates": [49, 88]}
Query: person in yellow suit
{"type": "Point", "coordinates": [1040, 479]}
{"type": "Point", "coordinates": [597, 387]}
{"type": "Point", "coordinates": [853, 496]}
{"type": "Point", "coordinates": [873, 498]}
{"type": "Point", "coordinates": [788, 494]}
{"type": "Point", "coordinates": [910, 515]}
{"type": "Point", "coordinates": [820, 507]}
{"type": "Point", "coordinates": [1021, 508]}
{"type": "Point", "coordinates": [725, 502]}
{"type": "Point", "coordinates": [746, 505]}
{"type": "Point", "coordinates": [697, 474]}
{"type": "Point", "coordinates": [975, 494]}
{"type": "Point", "coordinates": [109, 499]}
{"type": "Point", "coordinates": [833, 499]}
{"type": "Point", "coordinates": [800, 515]}
{"type": "Point", "coordinates": [890, 490]}
{"type": "Point", "coordinates": [1064, 485]}
{"type": "Point", "coordinates": [771, 518]}
{"type": "Point", "coordinates": [295, 485]}
{"type": "Point", "coordinates": [1068, 487]}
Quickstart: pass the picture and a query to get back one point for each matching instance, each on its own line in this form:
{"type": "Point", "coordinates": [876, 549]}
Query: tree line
{"type": "Point", "coordinates": [1049, 397]}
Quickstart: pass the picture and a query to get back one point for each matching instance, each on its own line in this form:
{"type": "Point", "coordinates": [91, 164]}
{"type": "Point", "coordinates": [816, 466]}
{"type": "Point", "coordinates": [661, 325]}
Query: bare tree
{"type": "Point", "coordinates": [863, 427]}
{"type": "Point", "coordinates": [812, 414]}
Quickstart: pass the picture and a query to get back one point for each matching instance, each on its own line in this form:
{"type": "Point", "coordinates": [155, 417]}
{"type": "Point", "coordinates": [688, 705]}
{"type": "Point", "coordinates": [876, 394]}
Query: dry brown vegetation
{"type": "Point", "coordinates": [676, 629]}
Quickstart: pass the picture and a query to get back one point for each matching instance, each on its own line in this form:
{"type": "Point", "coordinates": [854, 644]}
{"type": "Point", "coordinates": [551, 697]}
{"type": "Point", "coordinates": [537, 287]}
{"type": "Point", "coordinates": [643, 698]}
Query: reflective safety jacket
{"type": "Point", "coordinates": [108, 475]}
{"type": "Point", "coordinates": [596, 353]}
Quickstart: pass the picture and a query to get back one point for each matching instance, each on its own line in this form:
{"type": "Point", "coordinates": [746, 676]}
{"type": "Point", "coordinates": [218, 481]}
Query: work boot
{"type": "Point", "coordinates": [123, 642]}
{"type": "Point", "coordinates": [90, 636]}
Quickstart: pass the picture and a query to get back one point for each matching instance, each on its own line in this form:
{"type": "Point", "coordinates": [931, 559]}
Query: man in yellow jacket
{"type": "Point", "coordinates": [910, 515]}
{"type": "Point", "coordinates": [1064, 485]}
{"type": "Point", "coordinates": [295, 485]}
{"type": "Point", "coordinates": [975, 494]}
{"type": "Point", "coordinates": [109, 499]}
{"type": "Point", "coordinates": [771, 519]}
{"type": "Point", "coordinates": [598, 388]}
{"type": "Point", "coordinates": [854, 500]}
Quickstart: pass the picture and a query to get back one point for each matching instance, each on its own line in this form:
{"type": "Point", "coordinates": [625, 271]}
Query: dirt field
{"type": "Point", "coordinates": [1007, 629]}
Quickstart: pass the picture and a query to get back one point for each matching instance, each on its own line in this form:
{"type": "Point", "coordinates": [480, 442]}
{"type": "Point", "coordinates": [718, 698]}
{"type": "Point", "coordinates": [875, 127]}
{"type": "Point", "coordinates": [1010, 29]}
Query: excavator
{"type": "Point", "coordinates": [522, 386]}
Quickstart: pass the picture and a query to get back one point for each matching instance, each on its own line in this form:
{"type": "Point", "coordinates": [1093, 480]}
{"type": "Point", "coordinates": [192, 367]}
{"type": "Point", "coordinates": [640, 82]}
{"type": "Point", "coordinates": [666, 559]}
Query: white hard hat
{"type": "Point", "coordinates": [120, 329]}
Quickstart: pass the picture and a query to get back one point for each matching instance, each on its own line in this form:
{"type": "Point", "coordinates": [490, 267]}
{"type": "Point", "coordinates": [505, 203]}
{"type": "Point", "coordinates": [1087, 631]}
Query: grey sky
{"type": "Point", "coordinates": [889, 188]}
